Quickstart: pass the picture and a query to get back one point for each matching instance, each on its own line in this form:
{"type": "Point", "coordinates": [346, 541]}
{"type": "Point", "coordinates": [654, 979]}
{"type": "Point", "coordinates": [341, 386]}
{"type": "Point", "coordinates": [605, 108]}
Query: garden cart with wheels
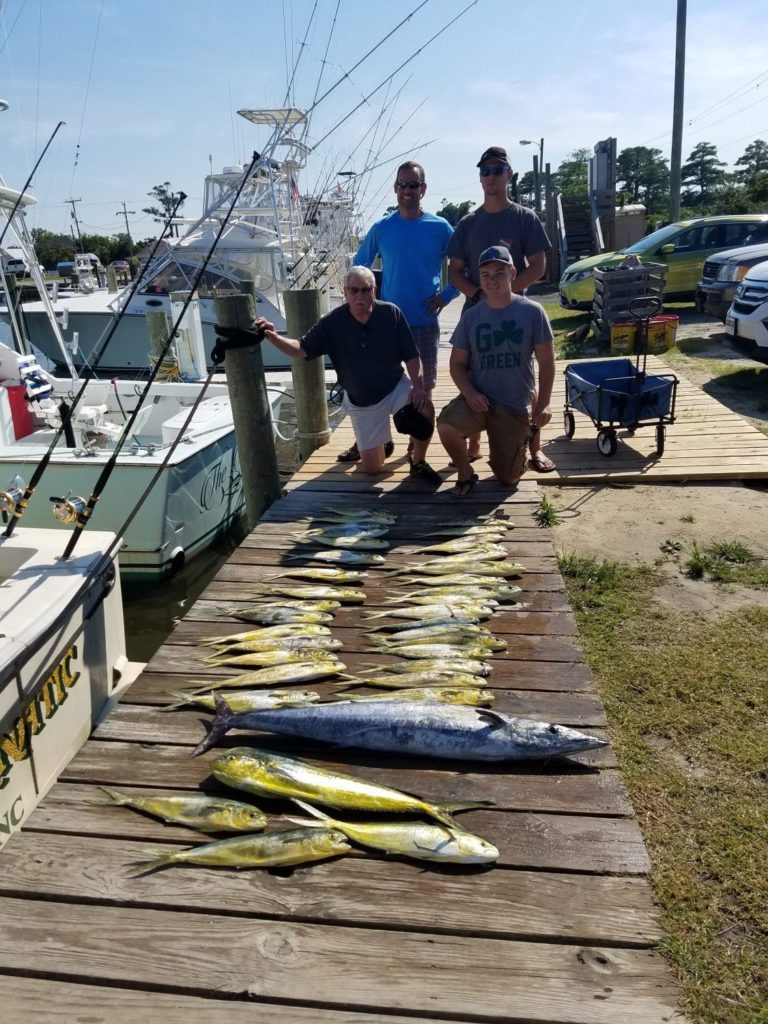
{"type": "Point", "coordinates": [619, 392]}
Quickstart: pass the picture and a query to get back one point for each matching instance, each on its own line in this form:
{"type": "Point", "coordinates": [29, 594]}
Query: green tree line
{"type": "Point", "coordinates": [643, 177]}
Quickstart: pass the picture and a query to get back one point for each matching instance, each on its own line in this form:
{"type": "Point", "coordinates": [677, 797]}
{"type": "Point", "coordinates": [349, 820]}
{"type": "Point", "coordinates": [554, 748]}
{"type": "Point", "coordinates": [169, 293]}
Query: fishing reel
{"type": "Point", "coordinates": [68, 510]}
{"type": "Point", "coordinates": [9, 499]}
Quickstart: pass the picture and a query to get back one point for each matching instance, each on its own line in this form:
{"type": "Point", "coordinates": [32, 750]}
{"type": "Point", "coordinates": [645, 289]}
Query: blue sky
{"type": "Point", "coordinates": [149, 90]}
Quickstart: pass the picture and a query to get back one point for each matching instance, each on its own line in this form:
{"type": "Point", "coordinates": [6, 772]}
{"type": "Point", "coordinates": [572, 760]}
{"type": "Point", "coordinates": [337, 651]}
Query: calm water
{"type": "Point", "coordinates": [152, 610]}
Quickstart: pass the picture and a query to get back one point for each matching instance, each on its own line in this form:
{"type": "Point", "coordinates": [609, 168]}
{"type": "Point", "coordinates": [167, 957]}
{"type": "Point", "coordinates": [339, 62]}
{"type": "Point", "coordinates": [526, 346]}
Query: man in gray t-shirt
{"type": "Point", "coordinates": [499, 221]}
{"type": "Point", "coordinates": [492, 364]}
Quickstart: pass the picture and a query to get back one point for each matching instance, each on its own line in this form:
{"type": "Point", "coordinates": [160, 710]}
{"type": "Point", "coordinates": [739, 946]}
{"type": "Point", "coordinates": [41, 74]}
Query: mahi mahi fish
{"type": "Point", "coordinates": [319, 572]}
{"type": "Point", "coordinates": [263, 773]}
{"type": "Point", "coordinates": [343, 556]}
{"type": "Point", "coordinates": [417, 839]}
{"type": "Point", "coordinates": [206, 813]}
{"type": "Point", "coordinates": [275, 849]}
{"type": "Point", "coordinates": [272, 675]}
{"type": "Point", "coordinates": [244, 700]}
{"type": "Point", "coordinates": [429, 730]}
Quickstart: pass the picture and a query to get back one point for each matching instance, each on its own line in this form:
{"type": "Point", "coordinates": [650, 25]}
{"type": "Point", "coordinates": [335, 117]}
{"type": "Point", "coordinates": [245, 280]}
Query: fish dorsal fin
{"type": "Point", "coordinates": [491, 717]}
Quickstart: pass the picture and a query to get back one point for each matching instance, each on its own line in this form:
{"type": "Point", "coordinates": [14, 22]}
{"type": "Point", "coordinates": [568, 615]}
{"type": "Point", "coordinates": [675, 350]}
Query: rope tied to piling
{"type": "Point", "coordinates": [228, 338]}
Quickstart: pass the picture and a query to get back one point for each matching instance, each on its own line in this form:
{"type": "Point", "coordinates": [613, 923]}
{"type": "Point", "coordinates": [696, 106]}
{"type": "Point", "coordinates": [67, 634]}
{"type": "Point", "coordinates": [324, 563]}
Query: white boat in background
{"type": "Point", "coordinates": [62, 659]}
{"type": "Point", "coordinates": [197, 493]}
{"type": "Point", "coordinates": [275, 239]}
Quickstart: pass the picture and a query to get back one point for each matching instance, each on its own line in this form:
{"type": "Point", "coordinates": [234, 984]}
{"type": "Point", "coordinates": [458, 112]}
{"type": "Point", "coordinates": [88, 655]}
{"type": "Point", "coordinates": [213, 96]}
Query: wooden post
{"type": "Point", "coordinates": [302, 311]}
{"type": "Point", "coordinates": [553, 274]}
{"type": "Point", "coordinates": [244, 368]}
{"type": "Point", "coordinates": [111, 280]}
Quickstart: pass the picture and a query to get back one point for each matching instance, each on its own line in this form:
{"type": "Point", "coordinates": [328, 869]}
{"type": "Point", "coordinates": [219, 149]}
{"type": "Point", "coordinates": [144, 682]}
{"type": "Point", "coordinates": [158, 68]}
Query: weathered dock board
{"type": "Point", "coordinates": [562, 929]}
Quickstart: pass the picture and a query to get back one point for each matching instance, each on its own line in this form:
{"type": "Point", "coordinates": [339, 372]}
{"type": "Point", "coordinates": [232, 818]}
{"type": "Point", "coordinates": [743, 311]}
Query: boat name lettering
{"type": "Point", "coordinates": [16, 744]}
{"type": "Point", "coordinates": [215, 484]}
{"type": "Point", "coordinates": [12, 818]}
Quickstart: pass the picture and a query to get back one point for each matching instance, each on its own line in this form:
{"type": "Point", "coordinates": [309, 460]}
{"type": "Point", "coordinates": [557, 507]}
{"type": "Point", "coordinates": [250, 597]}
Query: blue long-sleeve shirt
{"type": "Point", "coordinates": [412, 253]}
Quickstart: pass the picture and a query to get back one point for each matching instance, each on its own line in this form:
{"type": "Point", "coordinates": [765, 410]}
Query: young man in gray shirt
{"type": "Point", "coordinates": [492, 363]}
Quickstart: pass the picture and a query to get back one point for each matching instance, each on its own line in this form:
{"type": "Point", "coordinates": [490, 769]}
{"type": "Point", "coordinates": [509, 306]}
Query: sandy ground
{"type": "Point", "coordinates": [656, 524]}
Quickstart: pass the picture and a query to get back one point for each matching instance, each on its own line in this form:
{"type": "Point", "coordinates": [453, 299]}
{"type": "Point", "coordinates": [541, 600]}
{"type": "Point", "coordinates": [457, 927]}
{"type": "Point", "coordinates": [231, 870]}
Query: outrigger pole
{"type": "Point", "coordinates": [28, 182]}
{"type": "Point", "coordinates": [87, 511]}
{"type": "Point", "coordinates": [68, 411]}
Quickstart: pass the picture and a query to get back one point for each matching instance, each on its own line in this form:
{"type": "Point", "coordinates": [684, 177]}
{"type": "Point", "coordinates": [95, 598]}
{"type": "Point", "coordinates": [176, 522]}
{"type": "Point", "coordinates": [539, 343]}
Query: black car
{"type": "Point", "coordinates": [723, 271]}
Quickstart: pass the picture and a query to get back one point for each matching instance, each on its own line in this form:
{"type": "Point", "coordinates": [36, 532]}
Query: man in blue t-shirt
{"type": "Point", "coordinates": [412, 245]}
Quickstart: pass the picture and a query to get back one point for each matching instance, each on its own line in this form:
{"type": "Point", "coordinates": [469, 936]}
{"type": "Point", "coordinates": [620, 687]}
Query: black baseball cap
{"type": "Point", "coordinates": [409, 420]}
{"type": "Point", "coordinates": [494, 153]}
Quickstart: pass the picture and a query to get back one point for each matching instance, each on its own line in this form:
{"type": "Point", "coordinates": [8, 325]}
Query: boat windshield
{"type": "Point", "coordinates": [175, 277]}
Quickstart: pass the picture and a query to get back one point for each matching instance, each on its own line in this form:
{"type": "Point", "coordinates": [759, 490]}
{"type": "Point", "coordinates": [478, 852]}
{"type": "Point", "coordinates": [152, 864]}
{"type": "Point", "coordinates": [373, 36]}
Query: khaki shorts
{"type": "Point", "coordinates": [372, 424]}
{"type": "Point", "coordinates": [507, 434]}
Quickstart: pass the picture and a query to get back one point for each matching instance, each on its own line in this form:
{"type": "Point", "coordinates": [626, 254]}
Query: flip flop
{"type": "Point", "coordinates": [472, 458]}
{"type": "Point", "coordinates": [541, 464]}
{"type": "Point", "coordinates": [465, 487]}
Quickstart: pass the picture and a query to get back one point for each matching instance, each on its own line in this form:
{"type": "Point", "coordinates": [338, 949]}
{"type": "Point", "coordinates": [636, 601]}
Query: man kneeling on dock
{"type": "Point", "coordinates": [495, 346]}
{"type": "Point", "coordinates": [368, 342]}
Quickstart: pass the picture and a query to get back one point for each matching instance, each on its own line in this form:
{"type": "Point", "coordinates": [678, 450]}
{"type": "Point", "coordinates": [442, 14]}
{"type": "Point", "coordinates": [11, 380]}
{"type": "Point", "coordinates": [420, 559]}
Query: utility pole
{"type": "Point", "coordinates": [127, 229]}
{"type": "Point", "coordinates": [74, 218]}
{"type": "Point", "coordinates": [677, 115]}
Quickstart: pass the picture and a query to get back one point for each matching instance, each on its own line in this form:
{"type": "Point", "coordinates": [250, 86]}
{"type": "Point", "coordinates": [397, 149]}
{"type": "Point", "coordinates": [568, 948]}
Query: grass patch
{"type": "Point", "coordinates": [686, 701]}
{"type": "Point", "coordinates": [564, 322]}
{"type": "Point", "coordinates": [726, 562]}
{"type": "Point", "coordinates": [546, 513]}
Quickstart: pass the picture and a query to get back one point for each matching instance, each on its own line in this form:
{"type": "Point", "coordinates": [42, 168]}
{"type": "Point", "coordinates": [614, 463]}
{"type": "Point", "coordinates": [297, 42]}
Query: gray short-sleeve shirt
{"type": "Point", "coordinates": [516, 227]}
{"type": "Point", "coordinates": [500, 343]}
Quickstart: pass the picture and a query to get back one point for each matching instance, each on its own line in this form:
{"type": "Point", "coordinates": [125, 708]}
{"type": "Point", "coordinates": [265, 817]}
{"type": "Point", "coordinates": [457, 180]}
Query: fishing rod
{"type": "Point", "coordinates": [366, 56]}
{"type": "Point", "coordinates": [28, 182]}
{"type": "Point", "coordinates": [22, 502]}
{"type": "Point", "coordinates": [296, 63]}
{"type": "Point", "coordinates": [87, 511]}
{"type": "Point", "coordinates": [400, 67]}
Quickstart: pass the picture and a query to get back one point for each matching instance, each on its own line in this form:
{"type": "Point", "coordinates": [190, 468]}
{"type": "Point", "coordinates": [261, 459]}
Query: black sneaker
{"type": "Point", "coordinates": [423, 471]}
{"type": "Point", "coordinates": [389, 449]}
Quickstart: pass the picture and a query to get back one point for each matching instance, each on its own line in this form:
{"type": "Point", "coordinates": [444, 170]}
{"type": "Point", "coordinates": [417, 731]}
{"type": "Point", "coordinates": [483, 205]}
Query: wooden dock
{"type": "Point", "coordinates": [562, 929]}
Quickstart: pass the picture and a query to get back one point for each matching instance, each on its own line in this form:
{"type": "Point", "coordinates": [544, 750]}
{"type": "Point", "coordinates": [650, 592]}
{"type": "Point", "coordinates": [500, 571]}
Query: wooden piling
{"type": "Point", "coordinates": [250, 411]}
{"type": "Point", "coordinates": [302, 311]}
{"type": "Point", "coordinates": [111, 280]}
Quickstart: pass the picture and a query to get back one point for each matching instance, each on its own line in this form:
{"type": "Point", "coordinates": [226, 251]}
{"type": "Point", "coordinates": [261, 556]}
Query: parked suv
{"type": "Point", "coordinates": [723, 272]}
{"type": "Point", "coordinates": [683, 247]}
{"type": "Point", "coordinates": [747, 319]}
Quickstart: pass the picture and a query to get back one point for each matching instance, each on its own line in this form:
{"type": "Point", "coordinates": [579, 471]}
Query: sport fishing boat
{"type": "Point", "coordinates": [189, 453]}
{"type": "Point", "coordinates": [274, 239]}
{"type": "Point", "coordinates": [62, 659]}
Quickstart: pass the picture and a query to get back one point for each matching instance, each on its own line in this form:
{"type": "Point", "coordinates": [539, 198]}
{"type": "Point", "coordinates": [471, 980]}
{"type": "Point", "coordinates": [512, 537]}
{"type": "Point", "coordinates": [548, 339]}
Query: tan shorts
{"type": "Point", "coordinates": [507, 434]}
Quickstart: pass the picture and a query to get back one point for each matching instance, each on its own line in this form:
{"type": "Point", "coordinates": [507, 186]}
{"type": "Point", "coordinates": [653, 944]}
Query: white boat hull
{"type": "Point", "coordinates": [62, 660]}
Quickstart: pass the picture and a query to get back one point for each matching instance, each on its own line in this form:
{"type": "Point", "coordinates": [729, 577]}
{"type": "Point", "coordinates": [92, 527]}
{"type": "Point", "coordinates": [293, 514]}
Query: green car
{"type": "Point", "coordinates": [683, 247]}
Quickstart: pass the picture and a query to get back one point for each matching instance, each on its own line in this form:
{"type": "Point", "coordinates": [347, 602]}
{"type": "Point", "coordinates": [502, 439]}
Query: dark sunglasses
{"type": "Point", "coordinates": [408, 184]}
{"type": "Point", "coordinates": [353, 289]}
{"type": "Point", "coordinates": [494, 172]}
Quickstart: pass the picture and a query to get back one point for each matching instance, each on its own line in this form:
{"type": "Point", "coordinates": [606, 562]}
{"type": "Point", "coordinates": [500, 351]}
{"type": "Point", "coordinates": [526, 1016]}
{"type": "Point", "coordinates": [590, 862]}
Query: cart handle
{"type": "Point", "coordinates": [643, 306]}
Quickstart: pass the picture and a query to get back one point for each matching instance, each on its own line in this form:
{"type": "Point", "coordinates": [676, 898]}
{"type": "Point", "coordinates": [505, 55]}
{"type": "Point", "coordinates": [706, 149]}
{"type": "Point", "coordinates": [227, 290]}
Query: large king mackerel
{"type": "Point", "coordinates": [428, 730]}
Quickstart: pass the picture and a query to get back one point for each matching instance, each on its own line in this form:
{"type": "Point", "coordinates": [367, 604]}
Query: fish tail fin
{"type": "Point", "coordinates": [180, 700]}
{"type": "Point", "coordinates": [374, 615]}
{"type": "Point", "coordinates": [216, 659]}
{"type": "Point", "coordinates": [445, 812]}
{"type": "Point", "coordinates": [143, 867]}
{"type": "Point", "coordinates": [313, 811]}
{"type": "Point", "coordinates": [115, 795]}
{"type": "Point", "coordinates": [217, 728]}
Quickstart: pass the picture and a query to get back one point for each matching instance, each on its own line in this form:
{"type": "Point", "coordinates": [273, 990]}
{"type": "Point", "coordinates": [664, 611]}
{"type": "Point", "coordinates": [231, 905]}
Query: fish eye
{"type": "Point", "coordinates": [553, 729]}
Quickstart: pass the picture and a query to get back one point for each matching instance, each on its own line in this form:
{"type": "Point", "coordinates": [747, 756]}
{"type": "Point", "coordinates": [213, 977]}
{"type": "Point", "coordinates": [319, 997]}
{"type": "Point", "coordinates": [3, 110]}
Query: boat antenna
{"type": "Point", "coordinates": [28, 182]}
{"type": "Point", "coordinates": [67, 413]}
{"type": "Point", "coordinates": [86, 513]}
